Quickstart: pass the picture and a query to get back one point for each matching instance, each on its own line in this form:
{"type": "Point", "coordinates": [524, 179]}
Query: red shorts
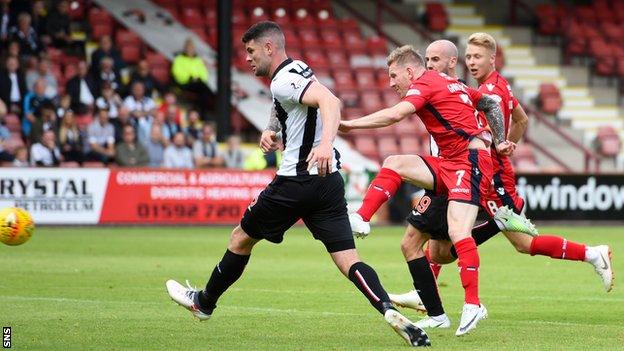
{"type": "Point", "coordinates": [503, 188]}
{"type": "Point", "coordinates": [463, 178]}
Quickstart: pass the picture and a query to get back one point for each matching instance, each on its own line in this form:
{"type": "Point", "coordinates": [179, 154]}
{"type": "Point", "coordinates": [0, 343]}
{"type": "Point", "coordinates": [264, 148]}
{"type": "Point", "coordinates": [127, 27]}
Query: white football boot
{"type": "Point", "coordinates": [601, 260]}
{"type": "Point", "coordinates": [471, 315]}
{"type": "Point", "coordinates": [428, 322]}
{"type": "Point", "coordinates": [186, 296]}
{"type": "Point", "coordinates": [406, 329]}
{"type": "Point", "coordinates": [408, 300]}
{"type": "Point", "coordinates": [359, 227]}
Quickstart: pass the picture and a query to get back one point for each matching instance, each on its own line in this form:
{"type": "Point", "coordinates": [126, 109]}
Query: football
{"type": "Point", "coordinates": [16, 226]}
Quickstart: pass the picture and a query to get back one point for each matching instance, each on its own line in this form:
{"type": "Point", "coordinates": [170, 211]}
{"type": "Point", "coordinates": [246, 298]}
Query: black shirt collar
{"type": "Point", "coordinates": [282, 65]}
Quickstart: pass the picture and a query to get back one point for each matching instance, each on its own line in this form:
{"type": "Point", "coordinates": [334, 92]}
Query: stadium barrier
{"type": "Point", "coordinates": [158, 196]}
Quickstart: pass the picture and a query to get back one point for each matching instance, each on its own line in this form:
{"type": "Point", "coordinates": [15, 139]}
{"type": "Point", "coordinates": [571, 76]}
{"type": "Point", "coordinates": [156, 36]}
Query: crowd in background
{"type": "Point", "coordinates": [99, 115]}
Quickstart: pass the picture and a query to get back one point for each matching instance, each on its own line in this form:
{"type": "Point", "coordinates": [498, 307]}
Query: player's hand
{"type": "Point", "coordinates": [321, 156]}
{"type": "Point", "coordinates": [506, 148]}
{"type": "Point", "coordinates": [345, 126]}
{"type": "Point", "coordinates": [269, 141]}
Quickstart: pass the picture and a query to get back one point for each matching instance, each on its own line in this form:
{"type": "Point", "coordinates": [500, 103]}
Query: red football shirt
{"type": "Point", "coordinates": [497, 87]}
{"type": "Point", "coordinates": [445, 106]}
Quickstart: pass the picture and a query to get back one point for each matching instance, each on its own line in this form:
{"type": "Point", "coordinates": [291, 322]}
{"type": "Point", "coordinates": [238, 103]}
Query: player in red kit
{"type": "Point", "coordinates": [480, 60]}
{"type": "Point", "coordinates": [463, 172]}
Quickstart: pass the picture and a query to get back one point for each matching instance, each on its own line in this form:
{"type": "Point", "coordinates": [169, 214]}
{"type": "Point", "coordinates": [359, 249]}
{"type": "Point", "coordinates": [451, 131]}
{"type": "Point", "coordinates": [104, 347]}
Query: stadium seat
{"type": "Point", "coordinates": [366, 146]}
{"type": "Point", "coordinates": [76, 10]}
{"type": "Point", "coordinates": [156, 60]}
{"type": "Point", "coordinates": [436, 17]}
{"type": "Point", "coordinates": [365, 78]}
{"type": "Point", "coordinates": [608, 142]}
{"type": "Point", "coordinates": [377, 46]}
{"type": "Point", "coordinates": [316, 59]}
{"type": "Point", "coordinates": [371, 101]}
{"type": "Point", "coordinates": [390, 97]}
{"type": "Point", "coordinates": [309, 38]}
{"type": "Point", "coordinates": [349, 98]}
{"type": "Point", "coordinates": [549, 98]}
{"type": "Point", "coordinates": [353, 113]}
{"type": "Point", "coordinates": [387, 146]}
{"type": "Point", "coordinates": [98, 16]}
{"type": "Point", "coordinates": [409, 145]}
{"type": "Point", "coordinates": [126, 37]}
{"type": "Point", "coordinates": [331, 39]}
{"type": "Point", "coordinates": [161, 74]}
{"type": "Point", "coordinates": [131, 54]}
{"type": "Point", "coordinates": [337, 59]}
{"type": "Point", "coordinates": [354, 41]}
{"type": "Point", "coordinates": [344, 80]}
{"type": "Point", "coordinates": [99, 30]}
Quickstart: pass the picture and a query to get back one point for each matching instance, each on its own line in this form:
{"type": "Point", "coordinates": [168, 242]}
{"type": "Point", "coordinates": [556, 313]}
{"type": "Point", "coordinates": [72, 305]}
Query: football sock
{"type": "Point", "coordinates": [366, 280]}
{"type": "Point", "coordinates": [469, 269]}
{"type": "Point", "coordinates": [481, 234]}
{"type": "Point", "coordinates": [426, 286]}
{"type": "Point", "coordinates": [224, 274]}
{"type": "Point", "coordinates": [557, 247]}
{"type": "Point", "coordinates": [381, 189]}
{"type": "Point", "coordinates": [435, 267]}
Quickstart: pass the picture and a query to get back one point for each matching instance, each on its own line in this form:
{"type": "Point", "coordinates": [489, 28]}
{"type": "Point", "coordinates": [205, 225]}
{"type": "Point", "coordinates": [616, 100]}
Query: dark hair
{"type": "Point", "coordinates": [260, 29]}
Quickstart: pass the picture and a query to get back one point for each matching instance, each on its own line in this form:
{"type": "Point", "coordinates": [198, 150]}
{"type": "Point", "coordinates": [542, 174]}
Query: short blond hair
{"type": "Point", "coordinates": [484, 40]}
{"type": "Point", "coordinates": [405, 54]}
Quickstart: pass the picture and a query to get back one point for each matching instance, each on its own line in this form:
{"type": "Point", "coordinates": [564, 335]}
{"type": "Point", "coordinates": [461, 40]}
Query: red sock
{"type": "Point", "coordinates": [380, 190]}
{"type": "Point", "coordinates": [469, 268]}
{"type": "Point", "coordinates": [557, 247]}
{"type": "Point", "coordinates": [435, 267]}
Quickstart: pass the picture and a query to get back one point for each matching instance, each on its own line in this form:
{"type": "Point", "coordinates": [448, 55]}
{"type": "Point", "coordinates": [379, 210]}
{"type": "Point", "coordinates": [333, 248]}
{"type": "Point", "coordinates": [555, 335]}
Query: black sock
{"type": "Point", "coordinates": [366, 280]}
{"type": "Point", "coordinates": [481, 234]}
{"type": "Point", "coordinates": [426, 286]}
{"type": "Point", "coordinates": [224, 274]}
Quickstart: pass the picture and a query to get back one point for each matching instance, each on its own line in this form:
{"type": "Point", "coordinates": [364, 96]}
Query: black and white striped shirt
{"type": "Point", "coordinates": [301, 124]}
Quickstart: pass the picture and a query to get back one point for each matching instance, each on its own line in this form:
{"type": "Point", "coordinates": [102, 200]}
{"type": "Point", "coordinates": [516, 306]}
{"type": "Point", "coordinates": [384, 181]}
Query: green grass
{"type": "Point", "coordinates": [103, 289]}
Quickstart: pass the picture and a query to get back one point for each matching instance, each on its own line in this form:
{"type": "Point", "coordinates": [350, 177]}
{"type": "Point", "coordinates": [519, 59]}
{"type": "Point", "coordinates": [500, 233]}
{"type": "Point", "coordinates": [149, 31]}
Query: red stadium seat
{"type": "Point", "coordinates": [344, 80]}
{"type": "Point", "coordinates": [377, 46]}
{"type": "Point", "coordinates": [161, 74]}
{"type": "Point", "coordinates": [331, 39]}
{"type": "Point", "coordinates": [436, 17]}
{"type": "Point", "coordinates": [98, 16]}
{"type": "Point", "coordinates": [409, 145]}
{"type": "Point", "coordinates": [309, 37]}
{"type": "Point", "coordinates": [608, 142]}
{"type": "Point", "coordinates": [371, 101]}
{"type": "Point", "coordinates": [387, 146]}
{"type": "Point", "coordinates": [390, 97]}
{"type": "Point", "coordinates": [316, 59]}
{"type": "Point", "coordinates": [126, 37]}
{"type": "Point", "coordinates": [366, 146]}
{"type": "Point", "coordinates": [131, 54]}
{"type": "Point", "coordinates": [155, 59]}
{"type": "Point", "coordinates": [350, 98]}
{"type": "Point", "coordinates": [353, 113]}
{"type": "Point", "coordinates": [99, 30]}
{"type": "Point", "coordinates": [337, 59]}
{"type": "Point", "coordinates": [354, 41]}
{"type": "Point", "coordinates": [365, 78]}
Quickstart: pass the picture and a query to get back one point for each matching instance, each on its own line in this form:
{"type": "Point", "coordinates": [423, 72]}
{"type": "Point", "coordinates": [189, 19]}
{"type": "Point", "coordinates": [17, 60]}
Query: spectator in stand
{"type": "Point", "coordinates": [206, 150]}
{"type": "Point", "coordinates": [106, 49]}
{"type": "Point", "coordinates": [70, 139]}
{"type": "Point", "coordinates": [124, 119]}
{"type": "Point", "coordinates": [45, 153]}
{"type": "Point", "coordinates": [100, 144]}
{"type": "Point", "coordinates": [170, 125]}
{"type": "Point", "coordinates": [233, 156]}
{"type": "Point", "coordinates": [45, 120]}
{"type": "Point", "coordinates": [155, 146]}
{"type": "Point", "coordinates": [108, 75]}
{"type": "Point", "coordinates": [58, 24]}
{"type": "Point", "coordinates": [194, 126]}
{"type": "Point", "coordinates": [5, 134]}
{"type": "Point", "coordinates": [82, 89]}
{"type": "Point", "coordinates": [129, 152]}
{"type": "Point", "coordinates": [140, 106]}
{"type": "Point", "coordinates": [109, 99]}
{"type": "Point", "coordinates": [142, 74]}
{"type": "Point", "coordinates": [21, 157]}
{"type": "Point", "coordinates": [64, 105]}
{"type": "Point", "coordinates": [5, 22]}
{"type": "Point", "coordinates": [190, 73]}
{"type": "Point", "coordinates": [13, 86]}
{"type": "Point", "coordinates": [43, 72]}
{"type": "Point", "coordinates": [178, 155]}
{"type": "Point", "coordinates": [13, 49]}
{"type": "Point", "coordinates": [32, 102]}
{"type": "Point", "coordinates": [25, 34]}
{"type": "Point", "coordinates": [170, 102]}
{"type": "Point", "coordinates": [39, 21]}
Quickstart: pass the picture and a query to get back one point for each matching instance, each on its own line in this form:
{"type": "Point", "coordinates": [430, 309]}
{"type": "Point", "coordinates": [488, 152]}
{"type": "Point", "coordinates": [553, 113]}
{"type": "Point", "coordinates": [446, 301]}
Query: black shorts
{"type": "Point", "coordinates": [318, 201]}
{"type": "Point", "coordinates": [429, 216]}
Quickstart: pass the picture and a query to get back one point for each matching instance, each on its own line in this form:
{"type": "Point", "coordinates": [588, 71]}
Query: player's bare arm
{"type": "Point", "coordinates": [317, 95]}
{"type": "Point", "coordinates": [269, 141]}
{"type": "Point", "coordinates": [494, 117]}
{"type": "Point", "coordinates": [381, 118]}
{"type": "Point", "coordinates": [519, 123]}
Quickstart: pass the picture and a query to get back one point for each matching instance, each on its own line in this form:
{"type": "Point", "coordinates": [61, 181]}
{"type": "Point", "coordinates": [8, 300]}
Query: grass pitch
{"type": "Point", "coordinates": [103, 289]}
